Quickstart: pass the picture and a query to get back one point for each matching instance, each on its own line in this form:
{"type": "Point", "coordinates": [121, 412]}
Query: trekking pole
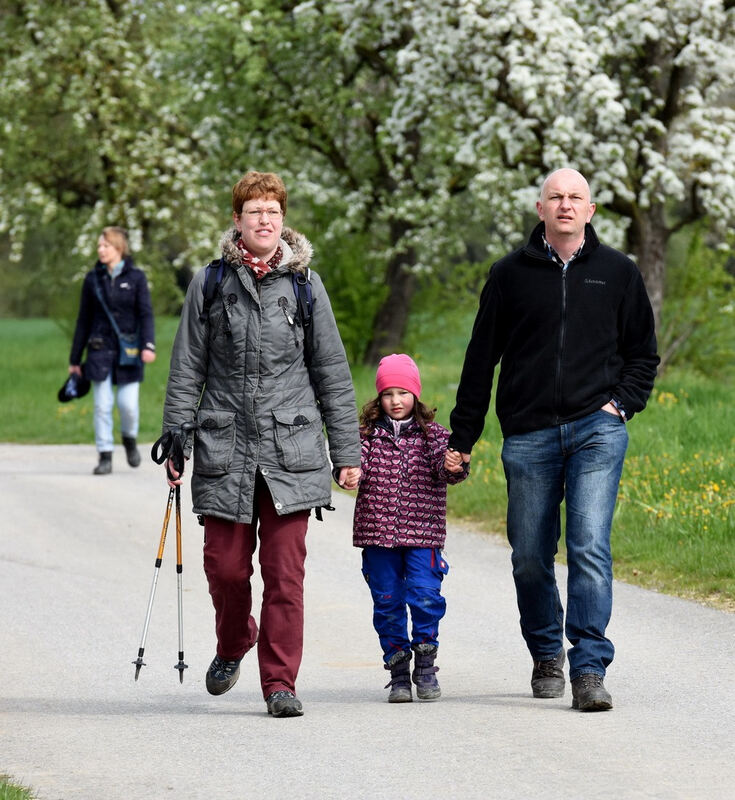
{"type": "Point", "coordinates": [179, 569]}
{"type": "Point", "coordinates": [159, 558]}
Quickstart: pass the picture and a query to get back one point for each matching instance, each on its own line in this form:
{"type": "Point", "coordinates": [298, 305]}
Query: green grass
{"type": "Point", "coordinates": [674, 527]}
{"type": "Point", "coordinates": [35, 363]}
{"type": "Point", "coordinates": [13, 791]}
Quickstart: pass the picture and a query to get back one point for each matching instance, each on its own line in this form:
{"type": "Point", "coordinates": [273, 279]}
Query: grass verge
{"type": "Point", "coordinates": [674, 528]}
{"type": "Point", "coordinates": [13, 791]}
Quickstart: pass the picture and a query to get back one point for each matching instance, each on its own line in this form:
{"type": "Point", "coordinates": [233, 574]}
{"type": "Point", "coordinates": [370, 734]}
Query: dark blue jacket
{"type": "Point", "coordinates": [567, 342]}
{"type": "Point", "coordinates": [129, 300]}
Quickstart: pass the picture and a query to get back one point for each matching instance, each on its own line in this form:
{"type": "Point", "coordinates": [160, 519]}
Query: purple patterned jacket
{"type": "Point", "coordinates": [402, 499]}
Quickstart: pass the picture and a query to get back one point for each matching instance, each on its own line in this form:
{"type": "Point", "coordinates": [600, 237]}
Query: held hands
{"type": "Point", "coordinates": [349, 477]}
{"type": "Point", "coordinates": [453, 460]}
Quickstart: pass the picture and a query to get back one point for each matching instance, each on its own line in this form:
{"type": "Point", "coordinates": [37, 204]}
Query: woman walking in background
{"type": "Point", "coordinates": [114, 288]}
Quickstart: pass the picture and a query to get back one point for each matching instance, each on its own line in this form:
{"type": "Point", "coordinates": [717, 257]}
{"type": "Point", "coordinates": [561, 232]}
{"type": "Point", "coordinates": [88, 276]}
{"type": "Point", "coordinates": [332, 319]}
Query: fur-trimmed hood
{"type": "Point", "coordinates": [297, 249]}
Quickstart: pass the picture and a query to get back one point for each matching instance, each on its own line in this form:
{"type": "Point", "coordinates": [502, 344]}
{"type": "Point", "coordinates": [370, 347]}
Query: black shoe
{"type": "Point", "coordinates": [105, 465]}
{"type": "Point", "coordinates": [222, 675]}
{"type": "Point", "coordinates": [589, 693]}
{"type": "Point", "coordinates": [284, 704]}
{"type": "Point", "coordinates": [424, 672]}
{"type": "Point", "coordinates": [547, 678]}
{"type": "Point", "coordinates": [131, 450]}
{"type": "Point", "coordinates": [400, 677]}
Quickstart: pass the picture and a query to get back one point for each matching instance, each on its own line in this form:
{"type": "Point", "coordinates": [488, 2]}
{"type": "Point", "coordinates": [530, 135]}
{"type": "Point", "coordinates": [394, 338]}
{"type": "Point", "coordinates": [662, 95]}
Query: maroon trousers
{"type": "Point", "coordinates": [228, 565]}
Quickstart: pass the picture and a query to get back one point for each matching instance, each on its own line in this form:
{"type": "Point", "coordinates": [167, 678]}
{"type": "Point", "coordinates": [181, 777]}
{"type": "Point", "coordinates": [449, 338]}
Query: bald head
{"type": "Point", "coordinates": [569, 178]}
{"type": "Point", "coordinates": [565, 208]}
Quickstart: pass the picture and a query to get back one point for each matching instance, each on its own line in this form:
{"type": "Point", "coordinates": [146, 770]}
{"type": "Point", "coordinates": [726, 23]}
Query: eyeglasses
{"type": "Point", "coordinates": [257, 213]}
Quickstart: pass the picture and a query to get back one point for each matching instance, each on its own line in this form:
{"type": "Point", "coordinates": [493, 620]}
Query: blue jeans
{"type": "Point", "coordinates": [104, 401]}
{"type": "Point", "coordinates": [579, 462]}
{"type": "Point", "coordinates": [401, 577]}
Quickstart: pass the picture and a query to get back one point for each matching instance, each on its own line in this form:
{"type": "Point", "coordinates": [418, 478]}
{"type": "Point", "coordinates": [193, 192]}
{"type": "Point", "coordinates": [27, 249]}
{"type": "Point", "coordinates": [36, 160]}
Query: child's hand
{"type": "Point", "coordinates": [349, 477]}
{"type": "Point", "coordinates": [453, 460]}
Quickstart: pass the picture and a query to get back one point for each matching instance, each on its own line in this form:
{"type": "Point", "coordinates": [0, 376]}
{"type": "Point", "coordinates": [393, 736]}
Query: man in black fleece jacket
{"type": "Point", "coordinates": [571, 324]}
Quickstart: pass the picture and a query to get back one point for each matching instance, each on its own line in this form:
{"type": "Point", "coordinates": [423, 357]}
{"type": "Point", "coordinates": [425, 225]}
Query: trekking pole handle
{"type": "Point", "coordinates": [170, 446]}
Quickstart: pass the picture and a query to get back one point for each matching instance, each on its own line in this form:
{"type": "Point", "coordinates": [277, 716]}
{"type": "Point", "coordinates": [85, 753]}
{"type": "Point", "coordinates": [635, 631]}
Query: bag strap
{"type": "Point", "coordinates": [212, 281]}
{"type": "Point", "coordinates": [101, 298]}
{"type": "Point", "coordinates": [302, 289]}
{"type": "Point", "coordinates": [304, 307]}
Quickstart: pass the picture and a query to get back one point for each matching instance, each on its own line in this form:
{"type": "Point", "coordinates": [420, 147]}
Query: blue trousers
{"type": "Point", "coordinates": [104, 401]}
{"type": "Point", "coordinates": [402, 578]}
{"type": "Point", "coordinates": [579, 462]}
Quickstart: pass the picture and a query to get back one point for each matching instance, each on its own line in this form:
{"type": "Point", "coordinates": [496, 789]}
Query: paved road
{"type": "Point", "coordinates": [76, 561]}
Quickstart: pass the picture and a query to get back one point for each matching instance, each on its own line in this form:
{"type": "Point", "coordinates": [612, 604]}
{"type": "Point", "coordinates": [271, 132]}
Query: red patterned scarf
{"type": "Point", "coordinates": [257, 265]}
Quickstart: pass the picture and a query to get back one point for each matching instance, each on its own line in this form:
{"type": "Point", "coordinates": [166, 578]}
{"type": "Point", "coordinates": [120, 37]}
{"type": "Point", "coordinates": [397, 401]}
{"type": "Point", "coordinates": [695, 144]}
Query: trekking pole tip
{"type": "Point", "coordinates": [181, 667]}
{"type": "Point", "coordinates": [138, 664]}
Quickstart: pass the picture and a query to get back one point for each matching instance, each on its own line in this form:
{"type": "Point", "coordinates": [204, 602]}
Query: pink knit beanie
{"type": "Point", "coordinates": [398, 370]}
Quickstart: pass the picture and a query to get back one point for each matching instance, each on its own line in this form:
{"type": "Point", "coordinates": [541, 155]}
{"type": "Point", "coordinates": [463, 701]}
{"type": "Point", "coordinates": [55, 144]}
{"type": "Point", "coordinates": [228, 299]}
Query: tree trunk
{"type": "Point", "coordinates": [648, 237]}
{"type": "Point", "coordinates": [390, 322]}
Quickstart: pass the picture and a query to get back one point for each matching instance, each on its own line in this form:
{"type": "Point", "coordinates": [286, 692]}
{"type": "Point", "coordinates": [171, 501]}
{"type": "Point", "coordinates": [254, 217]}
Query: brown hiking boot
{"type": "Point", "coordinates": [590, 694]}
{"type": "Point", "coordinates": [547, 678]}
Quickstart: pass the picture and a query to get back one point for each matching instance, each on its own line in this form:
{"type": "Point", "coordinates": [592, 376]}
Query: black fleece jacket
{"type": "Point", "coordinates": [568, 341]}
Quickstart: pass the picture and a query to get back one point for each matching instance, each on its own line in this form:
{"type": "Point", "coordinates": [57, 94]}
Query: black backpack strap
{"type": "Point", "coordinates": [302, 291]}
{"type": "Point", "coordinates": [212, 280]}
{"type": "Point", "coordinates": [304, 309]}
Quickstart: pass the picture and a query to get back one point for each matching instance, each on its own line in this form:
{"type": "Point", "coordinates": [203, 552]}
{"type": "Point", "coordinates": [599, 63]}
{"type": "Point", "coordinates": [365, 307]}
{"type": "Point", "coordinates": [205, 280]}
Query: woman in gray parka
{"type": "Point", "coordinates": [239, 372]}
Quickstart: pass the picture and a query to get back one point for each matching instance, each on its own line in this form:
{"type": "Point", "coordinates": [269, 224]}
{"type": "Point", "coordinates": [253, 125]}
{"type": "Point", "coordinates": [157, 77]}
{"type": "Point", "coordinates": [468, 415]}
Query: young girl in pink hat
{"type": "Point", "coordinates": [400, 522]}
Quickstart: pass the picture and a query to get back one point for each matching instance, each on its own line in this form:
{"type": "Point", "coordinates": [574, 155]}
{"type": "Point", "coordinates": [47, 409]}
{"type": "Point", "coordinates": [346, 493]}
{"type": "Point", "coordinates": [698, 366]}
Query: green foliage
{"type": "Point", "coordinates": [403, 130]}
{"type": "Point", "coordinates": [699, 312]}
{"type": "Point", "coordinates": [36, 355]}
{"type": "Point", "coordinates": [9, 790]}
{"type": "Point", "coordinates": [93, 135]}
{"type": "Point", "coordinates": [675, 524]}
{"type": "Point", "coordinates": [674, 528]}
{"type": "Point", "coordinates": [354, 285]}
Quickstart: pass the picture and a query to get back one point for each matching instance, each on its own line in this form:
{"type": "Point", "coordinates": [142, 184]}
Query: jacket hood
{"type": "Point", "coordinates": [297, 249]}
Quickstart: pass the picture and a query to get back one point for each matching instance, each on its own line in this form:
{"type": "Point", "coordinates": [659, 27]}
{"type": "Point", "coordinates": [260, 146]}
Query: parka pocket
{"type": "Point", "coordinates": [214, 441]}
{"type": "Point", "coordinates": [299, 440]}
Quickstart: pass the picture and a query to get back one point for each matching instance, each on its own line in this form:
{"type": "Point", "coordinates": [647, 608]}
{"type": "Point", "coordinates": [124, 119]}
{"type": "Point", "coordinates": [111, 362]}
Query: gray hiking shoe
{"type": "Point", "coordinates": [284, 704]}
{"type": "Point", "coordinates": [399, 665]}
{"type": "Point", "coordinates": [590, 694]}
{"type": "Point", "coordinates": [547, 678]}
{"type": "Point", "coordinates": [222, 675]}
{"type": "Point", "coordinates": [424, 672]}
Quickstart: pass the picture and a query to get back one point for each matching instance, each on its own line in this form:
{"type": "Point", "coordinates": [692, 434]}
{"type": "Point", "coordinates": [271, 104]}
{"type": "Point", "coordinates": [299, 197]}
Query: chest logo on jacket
{"type": "Point", "coordinates": [595, 281]}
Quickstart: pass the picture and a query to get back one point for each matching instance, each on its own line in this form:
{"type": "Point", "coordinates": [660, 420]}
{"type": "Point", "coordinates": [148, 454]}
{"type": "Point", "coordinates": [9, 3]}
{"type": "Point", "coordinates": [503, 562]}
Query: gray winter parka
{"type": "Point", "coordinates": [241, 377]}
